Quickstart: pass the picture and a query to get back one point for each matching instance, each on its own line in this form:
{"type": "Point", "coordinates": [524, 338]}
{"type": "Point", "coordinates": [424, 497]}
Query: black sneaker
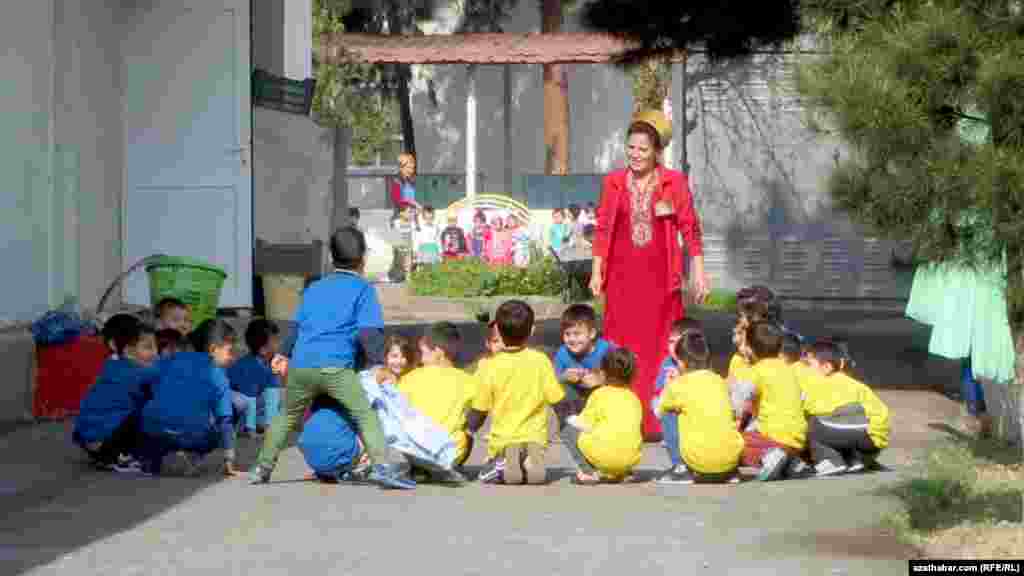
{"type": "Point", "coordinates": [773, 465]}
{"type": "Point", "coordinates": [797, 469]}
{"type": "Point", "coordinates": [678, 474]}
{"type": "Point", "coordinates": [388, 477]}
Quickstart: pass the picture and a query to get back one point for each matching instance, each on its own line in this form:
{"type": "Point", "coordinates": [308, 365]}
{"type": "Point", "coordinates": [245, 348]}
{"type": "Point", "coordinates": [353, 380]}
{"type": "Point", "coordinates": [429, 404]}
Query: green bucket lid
{"type": "Point", "coordinates": [185, 261]}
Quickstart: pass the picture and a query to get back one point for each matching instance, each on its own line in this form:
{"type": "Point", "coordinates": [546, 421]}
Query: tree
{"type": "Point", "coordinates": [903, 83]}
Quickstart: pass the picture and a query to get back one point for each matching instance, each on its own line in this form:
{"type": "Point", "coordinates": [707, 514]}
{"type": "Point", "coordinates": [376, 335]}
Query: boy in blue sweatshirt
{"type": "Point", "coordinates": [190, 413]}
{"type": "Point", "coordinates": [107, 425]}
{"type": "Point", "coordinates": [338, 322]}
{"type": "Point", "coordinates": [329, 442]}
{"type": "Point", "coordinates": [253, 380]}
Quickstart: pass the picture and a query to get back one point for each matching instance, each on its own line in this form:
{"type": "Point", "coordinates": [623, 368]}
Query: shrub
{"type": "Point", "coordinates": [474, 278]}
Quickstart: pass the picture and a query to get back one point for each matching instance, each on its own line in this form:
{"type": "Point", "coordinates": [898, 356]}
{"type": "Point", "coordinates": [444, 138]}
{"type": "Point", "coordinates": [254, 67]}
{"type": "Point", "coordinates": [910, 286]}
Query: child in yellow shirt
{"type": "Point", "coordinates": [516, 386]}
{"type": "Point", "coordinates": [848, 425]}
{"type": "Point", "coordinates": [781, 427]}
{"type": "Point", "coordinates": [607, 434]}
{"type": "Point", "coordinates": [439, 390]}
{"type": "Point", "coordinates": [709, 442]}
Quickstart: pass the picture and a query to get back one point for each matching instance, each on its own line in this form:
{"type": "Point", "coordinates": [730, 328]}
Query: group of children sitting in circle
{"type": "Point", "coordinates": [785, 409]}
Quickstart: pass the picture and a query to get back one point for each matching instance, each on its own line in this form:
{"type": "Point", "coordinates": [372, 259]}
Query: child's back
{"type": "Point", "coordinates": [328, 441]}
{"type": "Point", "coordinates": [444, 394]}
{"type": "Point", "coordinates": [613, 442]}
{"type": "Point", "coordinates": [779, 407]}
{"type": "Point", "coordinates": [710, 443]}
{"type": "Point", "coordinates": [825, 395]}
{"type": "Point", "coordinates": [329, 318]}
{"type": "Point", "coordinates": [515, 386]}
{"type": "Point", "coordinates": [189, 391]}
{"type": "Point", "coordinates": [119, 392]}
{"type": "Point", "coordinates": [251, 375]}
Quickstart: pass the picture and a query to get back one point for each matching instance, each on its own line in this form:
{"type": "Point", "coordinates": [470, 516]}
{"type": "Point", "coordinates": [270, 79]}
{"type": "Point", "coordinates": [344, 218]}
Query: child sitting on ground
{"type": "Point", "coordinates": [190, 414]}
{"type": "Point", "coordinates": [441, 391]}
{"type": "Point", "coordinates": [107, 425]}
{"type": "Point", "coordinates": [670, 370]}
{"type": "Point", "coordinates": [848, 424]}
{"type": "Point", "coordinates": [781, 427]}
{"type": "Point", "coordinates": [252, 378]}
{"type": "Point", "coordinates": [338, 320]}
{"type": "Point", "coordinates": [402, 357]}
{"type": "Point", "coordinates": [606, 439]}
{"type": "Point", "coordinates": [710, 444]}
{"type": "Point", "coordinates": [514, 388]}
{"type": "Point", "coordinates": [329, 443]}
{"type": "Point", "coordinates": [114, 326]}
{"type": "Point", "coordinates": [174, 314]}
{"type": "Point", "coordinates": [580, 355]}
{"type": "Point", "coordinates": [169, 342]}
{"type": "Point", "coordinates": [755, 304]}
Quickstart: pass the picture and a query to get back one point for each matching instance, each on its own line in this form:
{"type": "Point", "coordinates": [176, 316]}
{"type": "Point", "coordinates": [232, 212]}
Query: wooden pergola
{"type": "Point", "coordinates": [472, 50]}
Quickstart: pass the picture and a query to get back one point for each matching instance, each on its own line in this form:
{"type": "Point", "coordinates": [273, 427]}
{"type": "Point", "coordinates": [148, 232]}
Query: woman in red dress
{"type": "Point", "coordinates": [638, 262]}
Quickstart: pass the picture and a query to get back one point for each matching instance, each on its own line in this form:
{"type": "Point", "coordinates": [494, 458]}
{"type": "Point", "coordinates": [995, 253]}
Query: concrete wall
{"type": "Point", "coordinates": [292, 170]}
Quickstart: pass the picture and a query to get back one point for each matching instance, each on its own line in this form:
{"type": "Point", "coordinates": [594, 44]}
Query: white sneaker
{"type": "Point", "coordinates": [855, 465]}
{"type": "Point", "coordinates": [773, 465]}
{"type": "Point", "coordinates": [828, 468]}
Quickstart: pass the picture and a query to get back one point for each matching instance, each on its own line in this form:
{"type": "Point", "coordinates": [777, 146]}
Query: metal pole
{"type": "Point", "coordinates": [470, 131]}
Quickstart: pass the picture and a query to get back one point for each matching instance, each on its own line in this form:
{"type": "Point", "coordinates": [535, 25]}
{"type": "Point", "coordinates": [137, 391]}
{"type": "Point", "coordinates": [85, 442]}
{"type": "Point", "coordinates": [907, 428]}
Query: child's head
{"type": "Point", "coordinates": [829, 355]}
{"type": "Point", "coordinates": [574, 211]}
{"type": "Point", "coordinates": [591, 208]}
{"type": "Point", "coordinates": [353, 215]}
{"type": "Point", "coordinates": [174, 314]}
{"type": "Point", "coordinates": [692, 351]}
{"type": "Point", "coordinates": [512, 221]}
{"type": "Point", "coordinates": [494, 344]}
{"type": "Point", "coordinates": [134, 340]}
{"type": "Point", "coordinates": [406, 165]}
{"type": "Point", "coordinates": [262, 338]}
{"type": "Point", "coordinates": [169, 342]}
{"type": "Point", "coordinates": [479, 218]}
{"type": "Point", "coordinates": [498, 223]}
{"type": "Point", "coordinates": [680, 328]}
{"type": "Point", "coordinates": [440, 345]}
{"type": "Point", "coordinates": [348, 249]}
{"type": "Point", "coordinates": [427, 214]}
{"type": "Point", "coordinates": [116, 326]}
{"type": "Point", "coordinates": [764, 340]}
{"type": "Point", "coordinates": [401, 354]}
{"type": "Point", "coordinates": [557, 215]}
{"type": "Point", "coordinates": [217, 338]}
{"type": "Point", "coordinates": [515, 322]}
{"type": "Point", "coordinates": [617, 368]}
{"type": "Point", "coordinates": [579, 328]}
{"type": "Point", "coordinates": [791, 347]}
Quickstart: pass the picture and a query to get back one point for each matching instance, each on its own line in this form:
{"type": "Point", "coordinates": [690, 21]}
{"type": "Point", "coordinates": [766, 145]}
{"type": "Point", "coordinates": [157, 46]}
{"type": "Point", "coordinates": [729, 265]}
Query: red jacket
{"type": "Point", "coordinates": [676, 190]}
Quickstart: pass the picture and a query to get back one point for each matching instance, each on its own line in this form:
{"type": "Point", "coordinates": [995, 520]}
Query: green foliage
{"type": "Point", "coordinates": [719, 300]}
{"type": "Point", "coordinates": [474, 278]}
{"type": "Point", "coordinates": [928, 96]}
{"type": "Point", "coordinates": [652, 80]}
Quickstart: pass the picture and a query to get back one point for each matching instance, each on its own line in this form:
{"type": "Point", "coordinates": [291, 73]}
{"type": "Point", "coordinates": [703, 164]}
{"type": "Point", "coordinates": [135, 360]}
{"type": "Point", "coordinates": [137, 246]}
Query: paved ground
{"type": "Point", "coordinates": [58, 517]}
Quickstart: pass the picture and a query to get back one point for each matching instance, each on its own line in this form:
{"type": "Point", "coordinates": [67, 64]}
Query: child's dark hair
{"type": "Point", "coordinates": [428, 209]}
{"type": "Point", "coordinates": [479, 216]}
{"type": "Point", "coordinates": [791, 347]}
{"type": "Point", "coordinates": [758, 303]}
{"type": "Point", "coordinates": [834, 351]}
{"type": "Point", "coordinates": [619, 365]}
{"type": "Point", "coordinates": [406, 346]}
{"type": "Point", "coordinates": [354, 213]}
{"type": "Point", "coordinates": [693, 350]}
{"type": "Point", "coordinates": [167, 304]}
{"type": "Point", "coordinates": [684, 325]}
{"type": "Point", "coordinates": [258, 333]}
{"type": "Point", "coordinates": [128, 333]}
{"type": "Point", "coordinates": [348, 248]}
{"type": "Point", "coordinates": [764, 339]}
{"type": "Point", "coordinates": [212, 332]}
{"type": "Point", "coordinates": [170, 339]}
{"type": "Point", "coordinates": [444, 335]}
{"type": "Point", "coordinates": [515, 322]}
{"type": "Point", "coordinates": [579, 314]}
{"type": "Point", "coordinates": [116, 326]}
{"type": "Point", "coordinates": [574, 211]}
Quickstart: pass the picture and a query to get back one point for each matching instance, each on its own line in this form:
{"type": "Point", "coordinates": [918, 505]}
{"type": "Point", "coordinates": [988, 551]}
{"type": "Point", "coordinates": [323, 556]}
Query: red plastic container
{"type": "Point", "coordinates": [64, 373]}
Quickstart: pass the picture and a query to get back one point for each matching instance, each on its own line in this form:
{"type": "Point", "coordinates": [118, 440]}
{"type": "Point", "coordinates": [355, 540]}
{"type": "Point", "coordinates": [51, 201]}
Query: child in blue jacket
{"type": "Point", "coordinates": [107, 425]}
{"type": "Point", "coordinates": [329, 442]}
{"type": "Point", "coordinates": [190, 412]}
{"type": "Point", "coordinates": [252, 379]}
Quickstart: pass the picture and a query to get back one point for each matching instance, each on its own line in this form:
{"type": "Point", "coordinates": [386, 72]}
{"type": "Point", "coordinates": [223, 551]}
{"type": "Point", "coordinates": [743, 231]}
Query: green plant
{"type": "Point", "coordinates": [474, 278]}
{"type": "Point", "coordinates": [719, 300]}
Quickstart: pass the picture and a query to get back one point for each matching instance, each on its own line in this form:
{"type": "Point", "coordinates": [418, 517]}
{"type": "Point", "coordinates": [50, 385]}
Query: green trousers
{"type": "Point", "coordinates": [304, 385]}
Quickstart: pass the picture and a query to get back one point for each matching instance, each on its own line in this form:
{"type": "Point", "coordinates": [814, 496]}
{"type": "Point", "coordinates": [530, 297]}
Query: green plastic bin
{"type": "Point", "coordinates": [192, 281]}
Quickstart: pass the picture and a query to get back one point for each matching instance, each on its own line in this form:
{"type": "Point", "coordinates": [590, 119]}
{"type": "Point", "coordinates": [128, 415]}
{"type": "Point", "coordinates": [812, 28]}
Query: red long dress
{"type": "Point", "coordinates": [642, 274]}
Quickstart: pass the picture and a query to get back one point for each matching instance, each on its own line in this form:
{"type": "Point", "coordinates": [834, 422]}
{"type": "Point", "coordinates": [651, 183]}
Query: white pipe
{"type": "Point", "coordinates": [470, 131]}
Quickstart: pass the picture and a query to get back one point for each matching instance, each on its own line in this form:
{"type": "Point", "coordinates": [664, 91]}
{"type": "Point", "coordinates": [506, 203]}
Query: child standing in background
{"type": "Point", "coordinates": [427, 238]}
{"type": "Point", "coordinates": [480, 236]}
{"type": "Point", "coordinates": [609, 441]}
{"type": "Point", "coordinates": [520, 242]}
{"type": "Point", "coordinates": [557, 231]}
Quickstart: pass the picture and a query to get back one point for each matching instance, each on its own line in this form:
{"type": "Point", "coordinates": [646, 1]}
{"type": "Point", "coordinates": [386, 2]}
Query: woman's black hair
{"type": "Point", "coordinates": [348, 248]}
{"type": "Point", "coordinates": [693, 350]}
{"type": "Point", "coordinates": [213, 332]}
{"type": "Point", "coordinates": [619, 366]}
